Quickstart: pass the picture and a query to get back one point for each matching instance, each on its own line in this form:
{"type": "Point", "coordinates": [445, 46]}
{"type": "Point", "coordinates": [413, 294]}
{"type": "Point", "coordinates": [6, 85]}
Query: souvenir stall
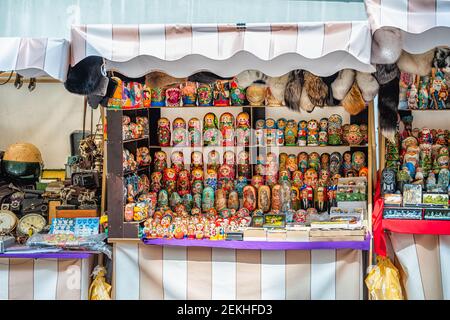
{"type": "Point", "coordinates": [217, 135]}
{"type": "Point", "coordinates": [28, 272]}
{"type": "Point", "coordinates": [411, 215]}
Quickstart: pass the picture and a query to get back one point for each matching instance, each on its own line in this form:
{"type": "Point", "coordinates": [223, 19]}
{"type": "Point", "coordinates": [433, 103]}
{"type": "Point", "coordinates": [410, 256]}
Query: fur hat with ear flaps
{"type": "Point", "coordinates": [293, 90]}
{"type": "Point", "coordinates": [353, 102]}
{"type": "Point", "coordinates": [341, 86]}
{"type": "Point", "coordinates": [317, 90]}
{"type": "Point", "coordinates": [367, 84]}
{"type": "Point", "coordinates": [86, 76]}
{"type": "Point", "coordinates": [386, 45]}
{"type": "Point", "coordinates": [420, 64]}
{"type": "Point", "coordinates": [388, 98]}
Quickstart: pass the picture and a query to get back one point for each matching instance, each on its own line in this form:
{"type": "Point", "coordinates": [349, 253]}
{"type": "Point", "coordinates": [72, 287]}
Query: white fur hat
{"type": "Point", "coordinates": [247, 77]}
{"type": "Point", "coordinates": [386, 45]}
{"type": "Point", "coordinates": [341, 86]}
{"type": "Point", "coordinates": [367, 84]}
{"type": "Point", "coordinates": [420, 64]}
{"type": "Point", "coordinates": [277, 86]}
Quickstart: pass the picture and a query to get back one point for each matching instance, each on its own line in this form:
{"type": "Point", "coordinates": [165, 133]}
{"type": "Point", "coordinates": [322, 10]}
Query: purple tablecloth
{"type": "Point", "coordinates": [48, 255]}
{"type": "Point", "coordinates": [264, 245]}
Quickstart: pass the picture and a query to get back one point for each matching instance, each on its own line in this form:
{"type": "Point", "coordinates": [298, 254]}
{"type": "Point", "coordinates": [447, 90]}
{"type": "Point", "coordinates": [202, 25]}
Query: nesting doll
{"type": "Point", "coordinates": [207, 199]}
{"type": "Point", "coordinates": [143, 156]}
{"type": "Point", "coordinates": [365, 132]}
{"type": "Point", "coordinates": [229, 159]}
{"type": "Point", "coordinates": [335, 162]}
{"type": "Point", "coordinates": [226, 127]}
{"type": "Point", "coordinates": [271, 169]}
{"type": "Point", "coordinates": [163, 199]}
{"type": "Point", "coordinates": [173, 97]}
{"type": "Point", "coordinates": [220, 199]}
{"type": "Point", "coordinates": [163, 132]}
{"type": "Point", "coordinates": [325, 161]}
{"type": "Point", "coordinates": [302, 133]}
{"type": "Point", "coordinates": [297, 178]}
{"type": "Point", "coordinates": [158, 97]}
{"type": "Point", "coordinates": [283, 158]}
{"type": "Point", "coordinates": [177, 160]}
{"type": "Point", "coordinates": [174, 200]}
{"type": "Point", "coordinates": [250, 198]}
{"type": "Point", "coordinates": [260, 165]}
{"type": "Point", "coordinates": [197, 200]}
{"type": "Point", "coordinates": [160, 162]}
{"type": "Point", "coordinates": [291, 164]}
{"type": "Point", "coordinates": [241, 182]}
{"type": "Point", "coordinates": [187, 200]}
{"type": "Point", "coordinates": [143, 121]}
{"type": "Point", "coordinates": [443, 178]}
{"type": "Point", "coordinates": [347, 162]}
{"type": "Point", "coordinates": [213, 160]}
{"type": "Point", "coordinates": [225, 177]}
{"type": "Point", "coordinates": [438, 90]}
{"type": "Point", "coordinates": [211, 133]}
{"type": "Point", "coordinates": [257, 181]}
{"type": "Point", "coordinates": [324, 178]}
{"type": "Point", "coordinates": [314, 161]}
{"type": "Point", "coordinates": [170, 180]}
{"type": "Point", "coordinates": [237, 94]}
{"type": "Point", "coordinates": [321, 203]}
{"type": "Point", "coordinates": [290, 133]}
{"type": "Point", "coordinates": [358, 160]}
{"type": "Point", "coordinates": [260, 126]}
{"type": "Point", "coordinates": [302, 160]}
{"type": "Point", "coordinates": [204, 94]}
{"type": "Point", "coordinates": [306, 200]}
{"type": "Point", "coordinates": [194, 132]}
{"type": "Point", "coordinates": [196, 160]}
{"type": "Point", "coordinates": [221, 93]}
{"type": "Point", "coordinates": [264, 198]}
{"type": "Point", "coordinates": [211, 179]}
{"type": "Point", "coordinates": [295, 198]}
{"type": "Point", "coordinates": [313, 133]}
{"type": "Point", "coordinates": [179, 133]}
{"type": "Point", "coordinates": [270, 132]}
{"type": "Point", "coordinates": [244, 164]}
{"type": "Point", "coordinates": [183, 182]}
{"type": "Point", "coordinates": [189, 93]}
{"type": "Point", "coordinates": [146, 96]}
{"type": "Point", "coordinates": [243, 129]}
{"type": "Point", "coordinates": [353, 136]}
{"type": "Point", "coordinates": [276, 198]}
{"type": "Point", "coordinates": [156, 181]}
{"type": "Point", "coordinates": [281, 127]}
{"type": "Point", "coordinates": [233, 200]}
{"type": "Point", "coordinates": [335, 130]}
{"type": "Point", "coordinates": [311, 177]}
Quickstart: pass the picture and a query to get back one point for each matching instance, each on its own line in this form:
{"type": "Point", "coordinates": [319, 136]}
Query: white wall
{"type": "Point", "coordinates": [44, 117]}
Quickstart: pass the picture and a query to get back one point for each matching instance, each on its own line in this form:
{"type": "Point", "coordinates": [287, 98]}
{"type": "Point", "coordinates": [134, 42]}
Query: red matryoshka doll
{"type": "Point", "coordinates": [221, 93]}
{"type": "Point", "coordinates": [233, 200]}
{"type": "Point", "coordinates": [179, 133]}
{"type": "Point", "coordinates": [297, 179]}
{"type": "Point", "coordinates": [160, 161]}
{"type": "Point", "coordinates": [325, 161]}
{"type": "Point", "coordinates": [225, 178]}
{"type": "Point", "coordinates": [276, 198]}
{"type": "Point", "coordinates": [220, 199]}
{"type": "Point", "coordinates": [302, 133]}
{"type": "Point", "coordinates": [311, 177]}
{"type": "Point", "coordinates": [283, 157]}
{"type": "Point", "coordinates": [250, 198]}
{"type": "Point", "coordinates": [324, 177]}
{"type": "Point", "coordinates": [213, 161]}
{"type": "Point", "coordinates": [314, 161]}
{"type": "Point", "coordinates": [257, 181]}
{"type": "Point", "coordinates": [211, 179]}
{"type": "Point", "coordinates": [302, 160]}
{"type": "Point", "coordinates": [358, 160]}
{"type": "Point", "coordinates": [229, 159]}
{"type": "Point", "coordinates": [226, 127]}
{"type": "Point", "coordinates": [260, 126]}
{"type": "Point", "coordinates": [163, 132]}
{"type": "Point", "coordinates": [197, 181]}
{"type": "Point", "coordinates": [194, 132]}
{"type": "Point", "coordinates": [363, 172]}
{"type": "Point", "coordinates": [204, 94]}
{"type": "Point", "coordinates": [264, 198]}
{"type": "Point", "coordinates": [170, 180]}
{"type": "Point", "coordinates": [237, 94]}
{"type": "Point", "coordinates": [270, 132]}
{"type": "Point", "coordinates": [347, 162]}
{"type": "Point", "coordinates": [173, 96]}
{"type": "Point", "coordinates": [281, 126]}
{"type": "Point", "coordinates": [143, 156]}
{"type": "Point", "coordinates": [183, 183]}
{"type": "Point", "coordinates": [313, 133]}
{"type": "Point", "coordinates": [271, 169]}
{"type": "Point", "coordinates": [291, 164]}
{"type": "Point", "coordinates": [156, 181]}
{"type": "Point", "coordinates": [146, 96]}
{"type": "Point", "coordinates": [425, 136]}
{"type": "Point", "coordinates": [211, 133]}
{"type": "Point", "coordinates": [177, 160]}
{"type": "Point", "coordinates": [290, 133]}
{"type": "Point", "coordinates": [243, 129]}
{"type": "Point", "coordinates": [244, 164]}
{"type": "Point", "coordinates": [189, 93]}
{"type": "Point", "coordinates": [196, 160]}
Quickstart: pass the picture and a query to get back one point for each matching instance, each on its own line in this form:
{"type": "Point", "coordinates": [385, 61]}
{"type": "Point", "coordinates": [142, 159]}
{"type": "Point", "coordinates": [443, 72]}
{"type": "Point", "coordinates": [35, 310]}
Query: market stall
{"type": "Point", "coordinates": [241, 249]}
{"type": "Point", "coordinates": [411, 210]}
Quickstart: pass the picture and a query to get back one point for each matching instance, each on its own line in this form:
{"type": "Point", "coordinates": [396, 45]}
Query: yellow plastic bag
{"type": "Point", "coordinates": [99, 289]}
{"type": "Point", "coordinates": [383, 281]}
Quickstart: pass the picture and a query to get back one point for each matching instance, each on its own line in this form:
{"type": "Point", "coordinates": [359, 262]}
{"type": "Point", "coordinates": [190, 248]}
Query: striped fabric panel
{"type": "Point", "coordinates": [4, 279]}
{"type": "Point", "coordinates": [199, 273]}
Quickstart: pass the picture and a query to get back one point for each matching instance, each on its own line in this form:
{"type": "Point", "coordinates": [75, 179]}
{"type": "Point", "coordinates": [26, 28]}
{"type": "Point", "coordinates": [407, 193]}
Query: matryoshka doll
{"type": "Point", "coordinates": [250, 198]}
{"type": "Point", "coordinates": [213, 160]}
{"type": "Point", "coordinates": [283, 157]}
{"type": "Point", "coordinates": [243, 129]}
{"type": "Point", "coordinates": [233, 200]}
{"type": "Point", "coordinates": [297, 179]}
{"type": "Point", "coordinates": [264, 198]}
{"type": "Point", "coordinates": [302, 133]}
{"type": "Point", "coordinates": [156, 181]}
{"type": "Point", "coordinates": [260, 165]}
{"type": "Point", "coordinates": [358, 160]}
{"type": "Point", "coordinates": [295, 198]}
{"type": "Point", "coordinates": [225, 177]}
{"type": "Point", "coordinates": [240, 184]}
{"type": "Point", "coordinates": [311, 177]}
{"type": "Point", "coordinates": [335, 162]}
{"type": "Point", "coordinates": [276, 198]}
{"type": "Point", "coordinates": [207, 199]}
{"type": "Point", "coordinates": [183, 183]}
{"type": "Point", "coordinates": [334, 130]}
{"type": "Point", "coordinates": [204, 94]}
{"type": "Point", "coordinates": [170, 180]}
{"type": "Point", "coordinates": [270, 132]}
{"type": "Point", "coordinates": [197, 181]}
{"type": "Point", "coordinates": [173, 97]}
{"type": "Point", "coordinates": [281, 127]}
{"type": "Point", "coordinates": [220, 199]}
{"type": "Point", "coordinates": [325, 161]}
{"type": "Point", "coordinates": [257, 181]}
{"type": "Point", "coordinates": [174, 200]}
{"type": "Point", "coordinates": [229, 159]}
{"type": "Point", "coordinates": [179, 133]}
{"type": "Point", "coordinates": [244, 164]}
{"type": "Point", "coordinates": [211, 133]}
{"type": "Point", "coordinates": [271, 169]}
{"type": "Point", "coordinates": [323, 132]}
{"type": "Point", "coordinates": [189, 93]}
{"type": "Point", "coordinates": [347, 162]}
{"type": "Point", "coordinates": [302, 160]}
{"type": "Point", "coordinates": [160, 161]}
{"type": "Point", "coordinates": [291, 164]}
{"type": "Point", "coordinates": [158, 97]}
{"type": "Point", "coordinates": [260, 126]}
{"type": "Point", "coordinates": [221, 93]}
{"type": "Point", "coordinates": [163, 199]}
{"type": "Point", "coordinates": [290, 133]}
{"type": "Point", "coordinates": [163, 132]}
{"type": "Point", "coordinates": [226, 127]}
{"type": "Point", "coordinates": [194, 132]}
{"type": "Point", "coordinates": [365, 132]}
{"type": "Point", "coordinates": [313, 133]}
{"type": "Point", "coordinates": [143, 156]}
{"type": "Point", "coordinates": [324, 178]}
{"type": "Point", "coordinates": [314, 161]}
{"type": "Point", "coordinates": [196, 160]}
{"type": "Point", "coordinates": [237, 94]}
{"type": "Point", "coordinates": [211, 179]}
{"type": "Point", "coordinates": [177, 161]}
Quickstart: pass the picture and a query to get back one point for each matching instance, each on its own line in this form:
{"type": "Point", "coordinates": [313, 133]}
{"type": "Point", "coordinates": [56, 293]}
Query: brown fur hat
{"type": "Point", "coordinates": [317, 89]}
{"type": "Point", "coordinates": [420, 64]}
{"type": "Point", "coordinates": [293, 90]}
{"type": "Point", "coordinates": [158, 79]}
{"type": "Point", "coordinates": [353, 102]}
{"type": "Point", "coordinates": [305, 102]}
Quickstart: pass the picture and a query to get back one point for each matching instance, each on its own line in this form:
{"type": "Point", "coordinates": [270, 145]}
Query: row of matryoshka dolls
{"type": "Point", "coordinates": [226, 131]}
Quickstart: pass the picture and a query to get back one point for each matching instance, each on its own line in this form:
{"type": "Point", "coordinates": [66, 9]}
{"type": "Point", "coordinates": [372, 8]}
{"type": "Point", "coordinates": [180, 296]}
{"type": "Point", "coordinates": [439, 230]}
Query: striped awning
{"type": "Point", "coordinates": [226, 49]}
{"type": "Point", "coordinates": [425, 24]}
{"type": "Point", "coordinates": [35, 57]}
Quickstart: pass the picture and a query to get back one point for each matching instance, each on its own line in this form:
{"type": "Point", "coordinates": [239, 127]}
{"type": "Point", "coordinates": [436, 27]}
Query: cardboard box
{"type": "Point", "coordinates": [297, 235]}
{"type": "Point", "coordinates": [255, 234]}
{"type": "Point", "coordinates": [276, 235]}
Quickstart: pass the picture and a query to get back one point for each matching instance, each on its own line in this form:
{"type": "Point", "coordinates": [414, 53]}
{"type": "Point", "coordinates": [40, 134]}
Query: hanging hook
{"type": "Point", "coordinates": [32, 84]}
{"type": "Point", "coordinates": [18, 83]}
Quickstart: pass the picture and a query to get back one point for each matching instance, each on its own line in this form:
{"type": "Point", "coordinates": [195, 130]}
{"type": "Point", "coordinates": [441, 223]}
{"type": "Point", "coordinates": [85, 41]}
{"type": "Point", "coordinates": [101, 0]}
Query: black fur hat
{"type": "Point", "coordinates": [86, 76]}
{"type": "Point", "coordinates": [388, 98]}
{"type": "Point", "coordinates": [95, 99]}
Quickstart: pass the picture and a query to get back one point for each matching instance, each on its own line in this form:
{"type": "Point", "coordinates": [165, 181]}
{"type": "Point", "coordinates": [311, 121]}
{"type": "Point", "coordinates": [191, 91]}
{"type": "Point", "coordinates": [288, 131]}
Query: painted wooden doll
{"type": "Point", "coordinates": [295, 198]}
{"type": "Point", "coordinates": [244, 164]}
{"type": "Point", "coordinates": [226, 127]}
{"type": "Point", "coordinates": [271, 169]}
{"type": "Point", "coordinates": [291, 164]}
{"type": "Point", "coordinates": [233, 200]}
{"type": "Point", "coordinates": [220, 199]}
{"type": "Point", "coordinates": [335, 130]}
{"type": "Point", "coordinates": [156, 181]}
{"type": "Point", "coordinates": [189, 93]}
{"type": "Point", "coordinates": [243, 129]}
{"type": "Point", "coordinates": [174, 200]}
{"type": "Point", "coordinates": [213, 161]}
{"type": "Point", "coordinates": [256, 94]}
{"type": "Point", "coordinates": [276, 198]}
{"type": "Point", "coordinates": [211, 179]}
{"type": "Point", "coordinates": [311, 177]}
{"type": "Point", "coordinates": [347, 162]}
{"type": "Point", "coordinates": [314, 161]}
{"type": "Point", "coordinates": [179, 133]}
{"type": "Point", "coordinates": [270, 132]}
{"type": "Point", "coordinates": [290, 133]}
{"type": "Point", "coordinates": [283, 158]}
{"type": "Point", "coordinates": [260, 127]}
{"type": "Point", "coordinates": [257, 181]}
{"type": "Point", "coordinates": [302, 160]}
{"type": "Point", "coordinates": [229, 159]}
{"type": "Point", "coordinates": [207, 199]}
{"type": "Point", "coordinates": [160, 162]}
{"type": "Point", "coordinates": [211, 133]}
{"type": "Point", "coordinates": [170, 180]}
{"type": "Point", "coordinates": [358, 160]}
{"type": "Point", "coordinates": [302, 133]}
{"type": "Point", "coordinates": [321, 203]}
{"type": "Point", "coordinates": [158, 97]}
{"type": "Point", "coordinates": [306, 197]}
{"type": "Point", "coordinates": [313, 133]}
{"type": "Point", "coordinates": [297, 178]}
{"type": "Point", "coordinates": [183, 182]}
{"type": "Point", "coordinates": [173, 97]}
{"type": "Point", "coordinates": [335, 163]}
{"type": "Point", "coordinates": [197, 200]}
{"type": "Point", "coordinates": [163, 199]}
{"type": "Point", "coordinates": [264, 198]}
{"type": "Point", "coordinates": [237, 94]}
{"type": "Point", "coordinates": [221, 93]}
{"type": "Point", "coordinates": [438, 90]}
{"type": "Point", "coordinates": [241, 182]}
{"type": "Point", "coordinates": [325, 161]}
{"type": "Point", "coordinates": [143, 157]}
{"type": "Point", "coordinates": [196, 160]}
{"type": "Point", "coordinates": [204, 95]}
{"type": "Point", "coordinates": [143, 121]}
{"type": "Point", "coordinates": [163, 132]}
{"type": "Point", "coordinates": [281, 127]}
{"type": "Point", "coordinates": [194, 132]}
{"type": "Point", "coordinates": [177, 161]}
{"type": "Point", "coordinates": [324, 178]}
{"type": "Point", "coordinates": [225, 177]}
{"type": "Point", "coordinates": [250, 198]}
{"type": "Point", "coordinates": [260, 165]}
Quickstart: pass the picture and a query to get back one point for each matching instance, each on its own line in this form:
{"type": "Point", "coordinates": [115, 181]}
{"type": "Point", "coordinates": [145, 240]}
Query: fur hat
{"type": "Point", "coordinates": [353, 102]}
{"type": "Point", "coordinates": [316, 88]}
{"type": "Point", "coordinates": [293, 90]}
{"type": "Point", "coordinates": [367, 84]}
{"type": "Point", "coordinates": [205, 77]}
{"type": "Point", "coordinates": [305, 102]}
{"type": "Point", "coordinates": [86, 76]}
{"type": "Point", "coordinates": [386, 73]}
{"type": "Point", "coordinates": [386, 45]}
{"type": "Point", "coordinates": [420, 64]}
{"type": "Point", "coordinates": [343, 83]}
{"type": "Point", "coordinates": [277, 86]}
{"type": "Point", "coordinates": [248, 77]}
{"type": "Point", "coordinates": [158, 79]}
{"type": "Point", "coordinates": [442, 59]}
{"type": "Point", "coordinates": [388, 98]}
{"type": "Point", "coordinates": [102, 98]}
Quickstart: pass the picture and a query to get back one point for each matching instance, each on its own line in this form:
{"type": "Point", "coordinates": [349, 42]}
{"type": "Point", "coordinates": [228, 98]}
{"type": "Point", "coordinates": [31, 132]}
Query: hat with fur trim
{"type": "Point", "coordinates": [316, 88]}
{"type": "Point", "coordinates": [367, 84]}
{"type": "Point", "coordinates": [386, 45]}
{"type": "Point", "coordinates": [420, 64]}
{"type": "Point", "coordinates": [293, 90]}
{"type": "Point", "coordinates": [341, 86]}
{"type": "Point", "coordinates": [353, 102]}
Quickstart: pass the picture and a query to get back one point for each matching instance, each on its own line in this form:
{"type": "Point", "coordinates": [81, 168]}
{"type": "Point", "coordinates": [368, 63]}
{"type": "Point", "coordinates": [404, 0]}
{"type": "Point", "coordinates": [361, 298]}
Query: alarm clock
{"type": "Point", "coordinates": [30, 224]}
{"type": "Point", "coordinates": [8, 221]}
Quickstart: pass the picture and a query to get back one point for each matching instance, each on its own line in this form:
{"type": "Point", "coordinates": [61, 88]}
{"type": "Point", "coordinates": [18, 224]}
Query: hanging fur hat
{"type": "Point", "coordinates": [386, 73]}
{"type": "Point", "coordinates": [328, 81]}
{"type": "Point", "coordinates": [86, 76]}
{"type": "Point", "coordinates": [353, 102]}
{"type": "Point", "coordinates": [158, 79]}
{"type": "Point", "coordinates": [367, 84]}
{"type": "Point", "coordinates": [248, 77]}
{"type": "Point", "coordinates": [386, 45]}
{"type": "Point", "coordinates": [420, 64]}
{"type": "Point", "coordinates": [277, 86]}
{"type": "Point", "coordinates": [102, 97]}
{"type": "Point", "coordinates": [343, 83]}
{"type": "Point", "coordinates": [293, 91]}
{"type": "Point", "coordinates": [205, 77]}
{"type": "Point", "coordinates": [305, 102]}
{"type": "Point", "coordinates": [388, 98]}
{"type": "Point", "coordinates": [442, 59]}
{"type": "Point", "coordinates": [316, 88]}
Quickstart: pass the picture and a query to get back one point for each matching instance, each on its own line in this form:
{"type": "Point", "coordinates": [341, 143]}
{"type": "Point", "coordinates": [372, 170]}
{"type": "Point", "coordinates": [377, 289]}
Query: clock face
{"type": "Point", "coordinates": [31, 223]}
{"type": "Point", "coordinates": [8, 221]}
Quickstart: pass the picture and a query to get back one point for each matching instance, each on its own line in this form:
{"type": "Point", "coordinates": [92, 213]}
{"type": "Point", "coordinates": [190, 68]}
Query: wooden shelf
{"type": "Point", "coordinates": [141, 168]}
{"type": "Point", "coordinates": [135, 140]}
{"type": "Point", "coordinates": [293, 147]}
{"type": "Point", "coordinates": [206, 107]}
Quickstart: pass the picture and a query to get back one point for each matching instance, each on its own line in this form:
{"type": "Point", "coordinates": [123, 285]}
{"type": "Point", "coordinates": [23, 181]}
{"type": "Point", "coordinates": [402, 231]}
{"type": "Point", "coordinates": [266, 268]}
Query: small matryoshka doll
{"type": "Point", "coordinates": [204, 94]}
{"type": "Point", "coordinates": [213, 160]}
{"type": "Point", "coordinates": [313, 133]}
{"type": "Point", "coordinates": [335, 162]}
{"type": "Point", "coordinates": [237, 94]}
{"type": "Point", "coordinates": [297, 178]}
{"type": "Point", "coordinates": [229, 159]}
{"type": "Point", "coordinates": [226, 127]}
{"type": "Point", "coordinates": [302, 133]}
{"type": "Point", "coordinates": [257, 181]}
{"type": "Point", "coordinates": [211, 179]}
{"type": "Point", "coordinates": [189, 93]}
{"type": "Point", "coordinates": [207, 199]}
{"type": "Point", "coordinates": [211, 133]}
{"type": "Point", "coordinates": [163, 199]}
{"type": "Point", "coordinates": [196, 185]}
{"type": "Point", "coordinates": [243, 129]}
{"type": "Point", "coordinates": [335, 130]}
{"type": "Point", "coordinates": [281, 127]}
{"type": "Point", "coordinates": [146, 96]}
{"type": "Point", "coordinates": [324, 177]}
{"type": "Point", "coordinates": [365, 132]}
{"type": "Point", "coordinates": [177, 160]}
{"type": "Point", "coordinates": [290, 133]}
{"type": "Point", "coordinates": [221, 93]}
{"type": "Point", "coordinates": [233, 200]}
{"type": "Point", "coordinates": [160, 161]}
{"type": "Point", "coordinates": [170, 180]}
{"type": "Point", "coordinates": [291, 163]}
{"type": "Point", "coordinates": [194, 132]}
{"type": "Point", "coordinates": [264, 198]}
{"type": "Point", "coordinates": [260, 165]}
{"type": "Point", "coordinates": [276, 198]}
{"type": "Point", "coordinates": [225, 177]}
{"type": "Point", "coordinates": [183, 183]}
{"type": "Point", "coordinates": [358, 160]}
{"type": "Point", "coordinates": [250, 198]}
{"type": "Point", "coordinates": [311, 177]}
{"type": "Point", "coordinates": [244, 164]}
{"type": "Point", "coordinates": [325, 161]}
{"type": "Point", "coordinates": [323, 132]}
{"type": "Point", "coordinates": [314, 161]}
{"type": "Point", "coordinates": [270, 132]}
{"type": "Point", "coordinates": [347, 162]}
{"type": "Point", "coordinates": [363, 172]}
{"type": "Point", "coordinates": [240, 184]}
{"type": "Point", "coordinates": [158, 97]}
{"type": "Point", "coordinates": [220, 199]}
{"type": "Point", "coordinates": [156, 181]}
{"type": "Point", "coordinates": [196, 160]}
{"type": "Point", "coordinates": [302, 160]}
{"type": "Point", "coordinates": [260, 126]}
{"type": "Point", "coordinates": [179, 133]}
{"type": "Point", "coordinates": [295, 198]}
{"type": "Point", "coordinates": [197, 200]}
{"type": "Point", "coordinates": [173, 97]}
{"type": "Point", "coordinates": [174, 200]}
{"type": "Point", "coordinates": [335, 178]}
{"type": "Point", "coordinates": [283, 157]}
{"type": "Point", "coordinates": [163, 132]}
{"type": "Point", "coordinates": [271, 169]}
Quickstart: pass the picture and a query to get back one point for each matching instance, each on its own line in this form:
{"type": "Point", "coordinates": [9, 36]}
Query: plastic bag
{"type": "Point", "coordinates": [99, 289]}
{"type": "Point", "coordinates": [383, 281]}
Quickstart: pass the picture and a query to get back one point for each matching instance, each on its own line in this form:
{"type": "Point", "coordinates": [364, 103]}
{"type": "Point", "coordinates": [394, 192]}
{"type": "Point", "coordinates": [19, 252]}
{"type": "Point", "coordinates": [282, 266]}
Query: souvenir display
{"type": "Point", "coordinates": [189, 94]}
{"type": "Point", "coordinates": [179, 133]}
{"type": "Point", "coordinates": [226, 127]}
{"type": "Point", "coordinates": [158, 97]}
{"type": "Point", "coordinates": [163, 132]}
{"type": "Point", "coordinates": [352, 189]}
{"type": "Point", "coordinates": [204, 95]}
{"type": "Point", "coordinates": [221, 93]}
{"type": "Point", "coordinates": [173, 97]}
{"type": "Point", "coordinates": [237, 94]}
{"type": "Point", "coordinates": [243, 129]}
{"type": "Point", "coordinates": [290, 133]}
{"type": "Point", "coordinates": [211, 133]}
